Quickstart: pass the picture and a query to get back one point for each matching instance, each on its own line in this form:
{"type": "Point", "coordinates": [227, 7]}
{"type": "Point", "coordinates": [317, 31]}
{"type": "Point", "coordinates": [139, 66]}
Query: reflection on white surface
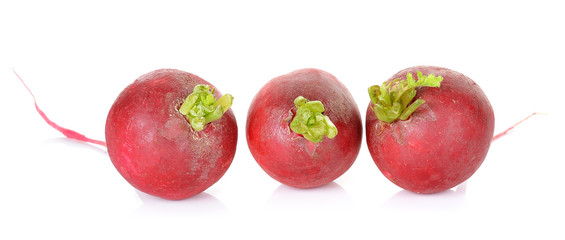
{"type": "Point", "coordinates": [448, 200]}
{"type": "Point", "coordinates": [203, 204]}
{"type": "Point", "coordinates": [331, 195]}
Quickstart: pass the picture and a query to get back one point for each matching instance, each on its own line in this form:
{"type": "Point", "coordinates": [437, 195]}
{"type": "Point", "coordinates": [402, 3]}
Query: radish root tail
{"type": "Point", "coordinates": [65, 131]}
{"type": "Point", "coordinates": [497, 136]}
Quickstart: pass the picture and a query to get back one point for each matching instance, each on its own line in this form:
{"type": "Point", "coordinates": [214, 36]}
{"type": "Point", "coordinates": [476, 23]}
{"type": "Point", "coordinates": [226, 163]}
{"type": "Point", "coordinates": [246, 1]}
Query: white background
{"type": "Point", "coordinates": [77, 57]}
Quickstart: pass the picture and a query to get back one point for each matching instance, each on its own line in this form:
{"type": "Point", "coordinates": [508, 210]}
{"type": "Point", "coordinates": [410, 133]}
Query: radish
{"type": "Point", "coordinates": [167, 144]}
{"type": "Point", "coordinates": [304, 128]}
{"type": "Point", "coordinates": [169, 133]}
{"type": "Point", "coordinates": [428, 128]}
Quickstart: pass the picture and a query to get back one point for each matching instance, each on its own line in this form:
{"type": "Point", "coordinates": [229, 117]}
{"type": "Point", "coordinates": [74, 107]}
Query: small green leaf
{"type": "Point", "coordinates": [393, 99]}
{"type": "Point", "coordinates": [310, 121]}
{"type": "Point", "coordinates": [188, 104]}
{"type": "Point", "coordinates": [200, 107]}
{"type": "Point", "coordinates": [300, 100]}
{"type": "Point", "coordinates": [225, 102]}
{"type": "Point", "coordinates": [330, 127]}
{"type": "Point", "coordinates": [410, 109]}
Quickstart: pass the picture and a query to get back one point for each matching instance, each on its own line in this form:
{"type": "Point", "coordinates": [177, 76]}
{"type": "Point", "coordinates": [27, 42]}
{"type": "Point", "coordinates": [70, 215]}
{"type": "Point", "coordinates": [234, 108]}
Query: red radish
{"type": "Point", "coordinates": [167, 134]}
{"type": "Point", "coordinates": [304, 128]}
{"type": "Point", "coordinates": [445, 134]}
{"type": "Point", "coordinates": [154, 146]}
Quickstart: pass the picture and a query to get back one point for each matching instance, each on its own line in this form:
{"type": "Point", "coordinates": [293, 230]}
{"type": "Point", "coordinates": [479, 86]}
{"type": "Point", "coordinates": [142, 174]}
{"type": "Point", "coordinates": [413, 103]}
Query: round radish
{"type": "Point", "coordinates": [304, 128]}
{"type": "Point", "coordinates": [169, 134]}
{"type": "Point", "coordinates": [428, 128]}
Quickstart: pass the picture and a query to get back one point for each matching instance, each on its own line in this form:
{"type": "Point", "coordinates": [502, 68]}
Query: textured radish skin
{"type": "Point", "coordinates": [287, 156]}
{"type": "Point", "coordinates": [443, 142]}
{"type": "Point", "coordinates": [153, 146]}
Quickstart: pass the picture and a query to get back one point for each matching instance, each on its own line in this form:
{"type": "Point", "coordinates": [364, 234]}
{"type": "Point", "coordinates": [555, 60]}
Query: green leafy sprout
{"type": "Point", "coordinates": [393, 99]}
{"type": "Point", "coordinates": [200, 107]}
{"type": "Point", "coordinates": [311, 122]}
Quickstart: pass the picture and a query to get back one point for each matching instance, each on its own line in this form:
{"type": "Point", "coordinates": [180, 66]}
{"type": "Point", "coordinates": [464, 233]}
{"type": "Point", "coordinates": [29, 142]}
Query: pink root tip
{"type": "Point", "coordinates": [65, 131]}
